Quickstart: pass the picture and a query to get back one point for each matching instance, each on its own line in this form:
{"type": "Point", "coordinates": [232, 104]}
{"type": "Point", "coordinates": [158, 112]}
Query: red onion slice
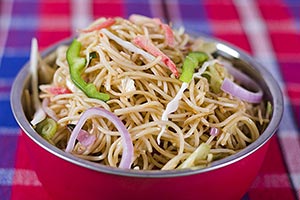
{"type": "Point", "coordinates": [238, 91]}
{"type": "Point", "coordinates": [214, 131]}
{"type": "Point", "coordinates": [127, 156]}
{"type": "Point", "coordinates": [85, 138]}
{"type": "Point", "coordinates": [238, 75]}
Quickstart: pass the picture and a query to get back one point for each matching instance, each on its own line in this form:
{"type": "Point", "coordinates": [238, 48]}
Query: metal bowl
{"type": "Point", "coordinates": [65, 176]}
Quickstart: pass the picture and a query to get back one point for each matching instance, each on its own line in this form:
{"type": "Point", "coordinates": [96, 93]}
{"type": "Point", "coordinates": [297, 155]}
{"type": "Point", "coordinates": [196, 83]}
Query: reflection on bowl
{"type": "Point", "coordinates": [66, 176]}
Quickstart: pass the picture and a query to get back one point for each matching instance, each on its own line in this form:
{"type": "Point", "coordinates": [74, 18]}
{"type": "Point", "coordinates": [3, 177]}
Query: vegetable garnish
{"type": "Point", "coordinates": [127, 85]}
{"type": "Point", "coordinates": [127, 45]}
{"type": "Point", "coordinates": [269, 109]}
{"type": "Point", "coordinates": [47, 128]}
{"type": "Point", "coordinates": [238, 91]}
{"type": "Point", "coordinates": [83, 137]}
{"type": "Point", "coordinates": [76, 66]}
{"type": "Point", "coordinates": [56, 90]}
{"type": "Point", "coordinates": [191, 62]}
{"type": "Point", "coordinates": [199, 154]}
{"type": "Point", "coordinates": [107, 23]}
{"type": "Point", "coordinates": [168, 32]}
{"type": "Point", "coordinates": [171, 107]}
{"type": "Point", "coordinates": [214, 131]}
{"type": "Point", "coordinates": [203, 68]}
{"type": "Point", "coordinates": [92, 55]}
{"type": "Point", "coordinates": [144, 43]}
{"type": "Point", "coordinates": [39, 115]}
{"type": "Point", "coordinates": [214, 77]}
{"type": "Point", "coordinates": [169, 35]}
{"type": "Point", "coordinates": [127, 156]}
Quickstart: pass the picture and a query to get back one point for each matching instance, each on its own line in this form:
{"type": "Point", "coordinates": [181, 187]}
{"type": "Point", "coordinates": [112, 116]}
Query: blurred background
{"type": "Point", "coordinates": [268, 30]}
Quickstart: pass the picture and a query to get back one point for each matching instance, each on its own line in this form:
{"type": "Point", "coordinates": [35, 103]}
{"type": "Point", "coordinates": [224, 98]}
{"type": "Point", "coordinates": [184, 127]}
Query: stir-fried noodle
{"type": "Point", "coordinates": [207, 125]}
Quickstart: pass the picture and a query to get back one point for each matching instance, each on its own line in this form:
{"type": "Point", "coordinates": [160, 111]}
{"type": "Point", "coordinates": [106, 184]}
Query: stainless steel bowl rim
{"type": "Point", "coordinates": [233, 51]}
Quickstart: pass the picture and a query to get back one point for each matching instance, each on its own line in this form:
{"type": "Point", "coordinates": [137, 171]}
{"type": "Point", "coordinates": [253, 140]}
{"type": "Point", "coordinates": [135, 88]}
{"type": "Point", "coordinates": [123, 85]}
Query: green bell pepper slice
{"type": "Point", "coordinates": [76, 67]}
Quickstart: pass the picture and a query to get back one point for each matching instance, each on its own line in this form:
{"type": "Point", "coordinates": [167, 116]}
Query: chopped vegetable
{"type": "Point", "coordinates": [237, 74]}
{"type": "Point", "coordinates": [39, 115]}
{"type": "Point", "coordinates": [214, 131]}
{"type": "Point", "coordinates": [109, 22]}
{"type": "Point", "coordinates": [171, 107]}
{"type": "Point", "coordinates": [127, 156]}
{"type": "Point", "coordinates": [56, 90]}
{"type": "Point", "coordinates": [203, 68]}
{"type": "Point", "coordinates": [127, 84]}
{"type": "Point", "coordinates": [199, 154]}
{"type": "Point", "coordinates": [72, 87]}
{"type": "Point", "coordinates": [47, 128]}
{"type": "Point", "coordinates": [191, 61]}
{"type": "Point", "coordinates": [76, 66]}
{"type": "Point", "coordinates": [214, 77]}
{"type": "Point", "coordinates": [146, 44]}
{"type": "Point", "coordinates": [93, 55]}
{"type": "Point", "coordinates": [140, 19]}
{"type": "Point", "coordinates": [86, 139]}
{"type": "Point", "coordinates": [269, 110]}
{"type": "Point", "coordinates": [168, 32]}
{"type": "Point", "coordinates": [127, 45]}
{"type": "Point", "coordinates": [237, 91]}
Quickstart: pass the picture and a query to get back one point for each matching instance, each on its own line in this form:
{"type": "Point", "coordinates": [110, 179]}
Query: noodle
{"type": "Point", "coordinates": [140, 86]}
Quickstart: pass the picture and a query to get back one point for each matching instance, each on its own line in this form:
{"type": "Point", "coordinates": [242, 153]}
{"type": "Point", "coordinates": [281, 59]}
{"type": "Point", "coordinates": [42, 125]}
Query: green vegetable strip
{"type": "Point", "coordinates": [215, 79]}
{"type": "Point", "coordinates": [269, 110]}
{"type": "Point", "coordinates": [191, 62]}
{"type": "Point", "coordinates": [47, 128]}
{"type": "Point", "coordinates": [76, 66]}
{"type": "Point", "coordinates": [200, 153]}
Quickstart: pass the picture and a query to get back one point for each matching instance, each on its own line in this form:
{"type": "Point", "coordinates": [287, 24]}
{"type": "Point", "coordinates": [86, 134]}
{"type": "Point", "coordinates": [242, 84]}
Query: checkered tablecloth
{"type": "Point", "coordinates": [269, 30]}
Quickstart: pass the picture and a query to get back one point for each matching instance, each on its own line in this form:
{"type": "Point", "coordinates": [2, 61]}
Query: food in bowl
{"type": "Point", "coordinates": [137, 94]}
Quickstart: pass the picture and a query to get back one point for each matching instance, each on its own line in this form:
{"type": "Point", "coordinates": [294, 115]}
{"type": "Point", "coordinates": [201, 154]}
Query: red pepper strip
{"type": "Point", "coordinates": [109, 22]}
{"type": "Point", "coordinates": [168, 32]}
{"type": "Point", "coordinates": [147, 45]}
{"type": "Point", "coordinates": [59, 90]}
{"type": "Point", "coordinates": [140, 20]}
